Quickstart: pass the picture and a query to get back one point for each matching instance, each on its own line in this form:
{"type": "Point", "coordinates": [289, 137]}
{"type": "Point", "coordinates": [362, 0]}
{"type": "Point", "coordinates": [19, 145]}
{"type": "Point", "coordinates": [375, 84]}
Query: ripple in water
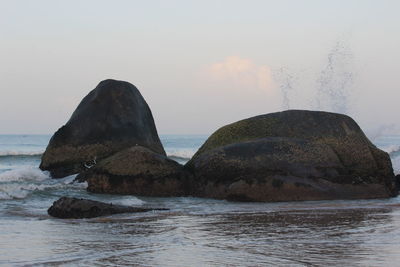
{"type": "Point", "coordinates": [341, 233]}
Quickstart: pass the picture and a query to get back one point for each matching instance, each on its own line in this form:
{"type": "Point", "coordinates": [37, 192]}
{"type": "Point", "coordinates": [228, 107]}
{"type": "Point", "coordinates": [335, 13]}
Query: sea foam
{"type": "Point", "coordinates": [181, 153]}
{"type": "Point", "coordinates": [394, 153]}
{"type": "Point", "coordinates": [396, 165]}
{"type": "Point", "coordinates": [20, 153]}
{"type": "Point", "coordinates": [128, 201]}
{"type": "Point", "coordinates": [21, 182]}
{"type": "Point", "coordinates": [24, 174]}
{"type": "Point", "coordinates": [391, 149]}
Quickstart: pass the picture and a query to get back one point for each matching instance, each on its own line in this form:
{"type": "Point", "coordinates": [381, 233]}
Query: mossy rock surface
{"type": "Point", "coordinates": [137, 161]}
{"type": "Point", "coordinates": [339, 131]}
{"type": "Point", "coordinates": [262, 157]}
{"type": "Point", "coordinates": [304, 124]}
{"type": "Point", "coordinates": [138, 171]}
{"type": "Point", "coordinates": [110, 118]}
{"type": "Point", "coordinates": [292, 155]}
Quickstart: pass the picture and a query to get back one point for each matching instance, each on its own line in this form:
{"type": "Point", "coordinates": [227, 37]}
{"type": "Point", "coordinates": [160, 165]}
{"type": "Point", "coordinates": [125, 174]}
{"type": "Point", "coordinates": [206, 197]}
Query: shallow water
{"type": "Point", "coordinates": [194, 232]}
{"type": "Point", "coordinates": [201, 232]}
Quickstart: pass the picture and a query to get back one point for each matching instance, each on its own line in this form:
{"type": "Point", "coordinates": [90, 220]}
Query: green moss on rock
{"type": "Point", "coordinates": [309, 154]}
{"type": "Point", "coordinates": [339, 131]}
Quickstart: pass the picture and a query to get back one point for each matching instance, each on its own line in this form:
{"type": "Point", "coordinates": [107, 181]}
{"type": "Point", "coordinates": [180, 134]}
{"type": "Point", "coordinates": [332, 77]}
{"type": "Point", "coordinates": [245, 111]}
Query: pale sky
{"type": "Point", "coordinates": [201, 64]}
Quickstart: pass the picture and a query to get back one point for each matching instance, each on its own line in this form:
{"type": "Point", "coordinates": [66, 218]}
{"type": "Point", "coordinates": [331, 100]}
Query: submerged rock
{"type": "Point", "coordinates": [138, 171]}
{"type": "Point", "coordinates": [110, 118]}
{"type": "Point", "coordinates": [292, 155]}
{"type": "Point", "coordinates": [75, 208]}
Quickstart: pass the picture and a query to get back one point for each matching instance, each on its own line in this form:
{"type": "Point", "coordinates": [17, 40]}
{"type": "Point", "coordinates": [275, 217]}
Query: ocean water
{"type": "Point", "coordinates": [194, 232]}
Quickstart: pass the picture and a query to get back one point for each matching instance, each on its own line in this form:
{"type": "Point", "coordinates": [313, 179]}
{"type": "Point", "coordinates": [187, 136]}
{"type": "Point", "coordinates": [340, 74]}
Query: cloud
{"type": "Point", "coordinates": [242, 73]}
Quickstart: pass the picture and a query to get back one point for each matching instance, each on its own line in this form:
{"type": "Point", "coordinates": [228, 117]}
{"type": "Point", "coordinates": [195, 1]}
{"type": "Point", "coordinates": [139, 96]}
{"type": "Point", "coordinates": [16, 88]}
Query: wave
{"type": "Point", "coordinates": [21, 153]}
{"type": "Point", "coordinates": [185, 154]}
{"type": "Point", "coordinates": [394, 153]}
{"type": "Point", "coordinates": [19, 191]}
{"type": "Point", "coordinates": [24, 174]}
{"type": "Point", "coordinates": [21, 182]}
{"type": "Point", "coordinates": [396, 165]}
{"type": "Point", "coordinates": [127, 201]}
{"type": "Point", "coordinates": [391, 149]}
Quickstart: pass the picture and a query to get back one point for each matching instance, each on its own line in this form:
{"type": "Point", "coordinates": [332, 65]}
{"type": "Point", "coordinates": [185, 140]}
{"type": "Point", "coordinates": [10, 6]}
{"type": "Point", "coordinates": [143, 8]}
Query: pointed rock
{"type": "Point", "coordinates": [110, 118]}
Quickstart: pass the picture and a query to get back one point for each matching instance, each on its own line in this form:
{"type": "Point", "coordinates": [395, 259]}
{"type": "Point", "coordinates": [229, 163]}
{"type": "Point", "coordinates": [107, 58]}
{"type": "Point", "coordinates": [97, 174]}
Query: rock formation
{"type": "Point", "coordinates": [292, 155]}
{"type": "Point", "coordinates": [111, 140]}
{"type": "Point", "coordinates": [138, 171]}
{"type": "Point", "coordinates": [110, 118]}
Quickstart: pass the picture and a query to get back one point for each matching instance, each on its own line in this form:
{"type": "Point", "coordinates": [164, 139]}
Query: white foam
{"type": "Point", "coordinates": [18, 191]}
{"type": "Point", "coordinates": [391, 148]}
{"type": "Point", "coordinates": [181, 153]}
{"type": "Point", "coordinates": [128, 201]}
{"type": "Point", "coordinates": [19, 183]}
{"type": "Point", "coordinates": [396, 165]}
{"type": "Point", "coordinates": [12, 191]}
{"type": "Point", "coordinates": [21, 153]}
{"type": "Point", "coordinates": [24, 174]}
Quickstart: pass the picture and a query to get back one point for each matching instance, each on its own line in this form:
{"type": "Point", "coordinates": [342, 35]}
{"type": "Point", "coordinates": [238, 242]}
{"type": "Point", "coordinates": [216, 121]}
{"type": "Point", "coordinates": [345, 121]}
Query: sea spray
{"type": "Point", "coordinates": [333, 83]}
{"type": "Point", "coordinates": [381, 130]}
{"type": "Point", "coordinates": [18, 153]}
{"type": "Point", "coordinates": [24, 174]}
{"type": "Point", "coordinates": [182, 153]}
{"type": "Point", "coordinates": [286, 81]}
{"type": "Point", "coordinates": [21, 182]}
{"type": "Point", "coordinates": [127, 201]}
{"type": "Point", "coordinates": [335, 80]}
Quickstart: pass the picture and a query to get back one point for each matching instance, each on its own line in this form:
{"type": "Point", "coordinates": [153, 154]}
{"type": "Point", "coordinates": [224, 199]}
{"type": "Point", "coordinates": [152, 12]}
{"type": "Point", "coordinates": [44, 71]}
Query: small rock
{"type": "Point", "coordinates": [75, 208]}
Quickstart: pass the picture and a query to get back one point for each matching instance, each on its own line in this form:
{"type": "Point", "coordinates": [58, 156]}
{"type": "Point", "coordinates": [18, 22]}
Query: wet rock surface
{"type": "Point", "coordinates": [138, 171]}
{"type": "Point", "coordinates": [292, 155]}
{"type": "Point", "coordinates": [110, 118]}
{"type": "Point", "coordinates": [76, 208]}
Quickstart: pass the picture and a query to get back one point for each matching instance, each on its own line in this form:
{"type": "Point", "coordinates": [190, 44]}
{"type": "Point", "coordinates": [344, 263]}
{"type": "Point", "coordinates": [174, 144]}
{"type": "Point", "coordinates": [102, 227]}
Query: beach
{"type": "Point", "coordinates": [194, 231]}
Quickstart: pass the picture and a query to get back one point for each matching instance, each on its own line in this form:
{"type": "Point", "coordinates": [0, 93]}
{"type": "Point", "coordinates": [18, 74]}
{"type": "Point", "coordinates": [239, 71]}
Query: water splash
{"type": "Point", "coordinates": [335, 80]}
{"type": "Point", "coordinates": [381, 130]}
{"type": "Point", "coordinates": [286, 81]}
{"type": "Point", "coordinates": [23, 181]}
{"type": "Point", "coordinates": [332, 84]}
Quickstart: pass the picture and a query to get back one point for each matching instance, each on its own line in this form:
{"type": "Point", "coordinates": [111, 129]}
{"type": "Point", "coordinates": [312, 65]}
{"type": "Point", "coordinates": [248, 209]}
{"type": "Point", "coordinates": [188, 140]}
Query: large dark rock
{"type": "Point", "coordinates": [292, 155]}
{"type": "Point", "coordinates": [110, 118]}
{"type": "Point", "coordinates": [67, 207]}
{"type": "Point", "coordinates": [138, 171]}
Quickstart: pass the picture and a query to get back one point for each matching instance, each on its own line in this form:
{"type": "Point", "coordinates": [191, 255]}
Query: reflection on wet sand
{"type": "Point", "coordinates": [341, 234]}
{"type": "Point", "coordinates": [303, 237]}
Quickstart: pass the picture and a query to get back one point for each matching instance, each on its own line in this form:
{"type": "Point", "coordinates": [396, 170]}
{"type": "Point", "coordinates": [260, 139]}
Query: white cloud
{"type": "Point", "coordinates": [242, 73]}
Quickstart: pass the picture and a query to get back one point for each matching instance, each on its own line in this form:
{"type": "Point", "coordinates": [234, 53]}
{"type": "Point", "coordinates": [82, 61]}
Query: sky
{"type": "Point", "coordinates": [201, 64]}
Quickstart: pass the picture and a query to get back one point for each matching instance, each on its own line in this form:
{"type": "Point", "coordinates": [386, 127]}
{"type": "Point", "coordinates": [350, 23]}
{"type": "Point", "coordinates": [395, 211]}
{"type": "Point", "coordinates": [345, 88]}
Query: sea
{"type": "Point", "coordinates": [194, 231]}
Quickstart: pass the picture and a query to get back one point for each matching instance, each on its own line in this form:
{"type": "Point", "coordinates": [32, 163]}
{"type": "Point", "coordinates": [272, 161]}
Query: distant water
{"type": "Point", "coordinates": [195, 232]}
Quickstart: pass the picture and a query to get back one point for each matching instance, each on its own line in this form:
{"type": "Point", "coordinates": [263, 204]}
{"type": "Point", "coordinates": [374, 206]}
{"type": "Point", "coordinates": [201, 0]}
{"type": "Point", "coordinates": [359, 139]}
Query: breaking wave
{"type": "Point", "coordinates": [24, 174]}
{"type": "Point", "coordinates": [392, 149]}
{"type": "Point", "coordinates": [184, 154]}
{"type": "Point", "coordinates": [21, 182]}
{"type": "Point", "coordinates": [20, 153]}
{"type": "Point", "coordinates": [394, 153]}
{"type": "Point", "coordinates": [128, 201]}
